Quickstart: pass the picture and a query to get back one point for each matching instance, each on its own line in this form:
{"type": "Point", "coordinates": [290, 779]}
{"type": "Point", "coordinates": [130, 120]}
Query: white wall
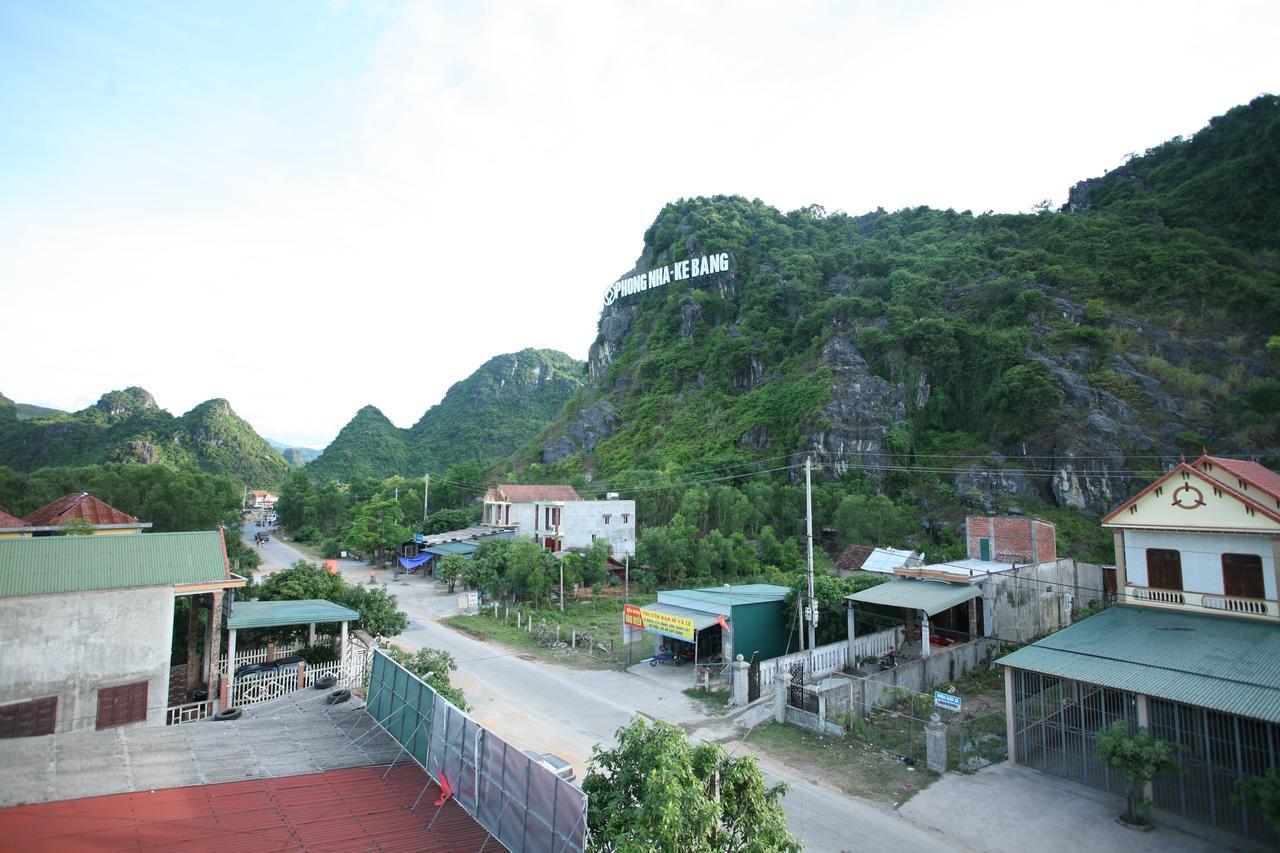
{"type": "Point", "coordinates": [580, 520]}
{"type": "Point", "coordinates": [69, 645]}
{"type": "Point", "coordinates": [1201, 557]}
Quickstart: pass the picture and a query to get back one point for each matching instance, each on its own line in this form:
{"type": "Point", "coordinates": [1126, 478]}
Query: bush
{"type": "Point", "coordinates": [317, 654]}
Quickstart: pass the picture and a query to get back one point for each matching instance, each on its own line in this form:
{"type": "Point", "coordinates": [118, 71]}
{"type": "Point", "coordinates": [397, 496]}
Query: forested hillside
{"type": "Point", "coordinates": [128, 426]}
{"type": "Point", "coordinates": [483, 418]}
{"type": "Point", "coordinates": [948, 361]}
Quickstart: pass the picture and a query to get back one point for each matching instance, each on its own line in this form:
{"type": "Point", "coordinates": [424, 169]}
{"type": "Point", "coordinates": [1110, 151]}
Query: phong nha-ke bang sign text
{"type": "Point", "coordinates": [674, 271]}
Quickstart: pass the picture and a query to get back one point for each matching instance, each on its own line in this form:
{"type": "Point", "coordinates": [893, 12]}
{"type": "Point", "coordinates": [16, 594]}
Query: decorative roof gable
{"type": "Point", "coordinates": [78, 505]}
{"type": "Point", "coordinates": [1189, 499]}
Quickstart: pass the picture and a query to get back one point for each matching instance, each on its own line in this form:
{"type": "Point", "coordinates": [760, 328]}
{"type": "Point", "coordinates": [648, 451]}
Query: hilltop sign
{"type": "Point", "coordinates": [675, 271]}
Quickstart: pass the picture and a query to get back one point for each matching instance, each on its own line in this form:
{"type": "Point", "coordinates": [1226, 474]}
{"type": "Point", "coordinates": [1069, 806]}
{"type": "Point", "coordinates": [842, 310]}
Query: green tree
{"type": "Point", "coordinates": [379, 615]}
{"type": "Point", "coordinates": [657, 791]}
{"type": "Point", "coordinates": [1262, 793]}
{"type": "Point", "coordinates": [433, 666]}
{"type": "Point", "coordinates": [1138, 758]}
{"type": "Point", "coordinates": [442, 521]}
{"type": "Point", "coordinates": [377, 528]}
{"type": "Point", "coordinates": [451, 569]}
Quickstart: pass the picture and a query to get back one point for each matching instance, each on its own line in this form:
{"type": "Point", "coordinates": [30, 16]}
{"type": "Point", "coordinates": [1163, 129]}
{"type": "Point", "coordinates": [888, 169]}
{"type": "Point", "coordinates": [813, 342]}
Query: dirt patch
{"type": "Point", "coordinates": [844, 763]}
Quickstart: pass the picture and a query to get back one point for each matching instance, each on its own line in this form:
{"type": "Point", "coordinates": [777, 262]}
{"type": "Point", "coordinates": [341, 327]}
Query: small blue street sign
{"type": "Point", "coordinates": [946, 700]}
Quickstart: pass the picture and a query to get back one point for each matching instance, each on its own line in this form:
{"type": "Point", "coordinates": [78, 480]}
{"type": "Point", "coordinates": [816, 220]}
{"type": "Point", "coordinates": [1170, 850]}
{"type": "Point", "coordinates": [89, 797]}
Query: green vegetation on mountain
{"type": "Point", "coordinates": [937, 362]}
{"type": "Point", "coordinates": [483, 418]}
{"type": "Point", "coordinates": [128, 426]}
{"type": "Point", "coordinates": [27, 411]}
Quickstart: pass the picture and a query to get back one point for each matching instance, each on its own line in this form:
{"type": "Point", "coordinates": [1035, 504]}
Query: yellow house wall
{"type": "Point", "coordinates": [1220, 510]}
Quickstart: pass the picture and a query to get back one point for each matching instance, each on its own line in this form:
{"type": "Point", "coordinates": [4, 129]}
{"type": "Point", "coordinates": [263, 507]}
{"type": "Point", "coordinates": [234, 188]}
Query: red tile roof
{"type": "Point", "coordinates": [7, 520]}
{"type": "Point", "coordinates": [853, 557]}
{"type": "Point", "coordinates": [528, 494]}
{"type": "Point", "coordinates": [1258, 476]}
{"type": "Point", "coordinates": [352, 809]}
{"type": "Point", "coordinates": [78, 505]}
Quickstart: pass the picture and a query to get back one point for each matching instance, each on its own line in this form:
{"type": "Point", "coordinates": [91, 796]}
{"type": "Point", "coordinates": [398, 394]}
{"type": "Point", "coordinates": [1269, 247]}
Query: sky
{"type": "Point", "coordinates": [305, 207]}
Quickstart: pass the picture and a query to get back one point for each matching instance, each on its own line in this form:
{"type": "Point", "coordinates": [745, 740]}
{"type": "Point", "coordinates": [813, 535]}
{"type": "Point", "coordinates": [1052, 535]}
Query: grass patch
{"type": "Point", "coordinates": [851, 765]}
{"type": "Point", "coordinates": [599, 618]}
{"type": "Point", "coordinates": [714, 701]}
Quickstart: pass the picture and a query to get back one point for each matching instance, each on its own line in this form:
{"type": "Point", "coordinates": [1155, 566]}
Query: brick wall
{"type": "Point", "coordinates": [1011, 538]}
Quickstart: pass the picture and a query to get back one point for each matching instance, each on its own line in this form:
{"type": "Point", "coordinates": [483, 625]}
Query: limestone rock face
{"type": "Point", "coordinates": [592, 425]}
{"type": "Point", "coordinates": [862, 409]}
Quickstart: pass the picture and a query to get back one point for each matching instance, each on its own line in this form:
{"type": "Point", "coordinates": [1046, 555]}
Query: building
{"type": "Point", "coordinates": [1010, 539]}
{"type": "Point", "coordinates": [87, 626]}
{"type": "Point", "coordinates": [262, 499]}
{"type": "Point", "coordinates": [719, 622]}
{"type": "Point", "coordinates": [82, 508]}
{"type": "Point", "coordinates": [556, 518]}
{"type": "Point", "coordinates": [12, 527]}
{"type": "Point", "coordinates": [1192, 652]}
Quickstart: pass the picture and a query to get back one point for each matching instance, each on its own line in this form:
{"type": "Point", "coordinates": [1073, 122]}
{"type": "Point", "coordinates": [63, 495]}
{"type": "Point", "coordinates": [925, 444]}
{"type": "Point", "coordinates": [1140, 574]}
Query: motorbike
{"type": "Point", "coordinates": [664, 655]}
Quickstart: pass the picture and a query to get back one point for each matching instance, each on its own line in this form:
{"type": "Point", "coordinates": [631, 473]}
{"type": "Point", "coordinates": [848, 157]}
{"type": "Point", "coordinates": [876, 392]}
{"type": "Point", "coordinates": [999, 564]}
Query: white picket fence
{"type": "Point", "coordinates": [254, 688]}
{"type": "Point", "coordinates": [876, 645]}
{"type": "Point", "coordinates": [260, 655]}
{"type": "Point", "coordinates": [832, 657]}
{"type": "Point", "coordinates": [826, 660]}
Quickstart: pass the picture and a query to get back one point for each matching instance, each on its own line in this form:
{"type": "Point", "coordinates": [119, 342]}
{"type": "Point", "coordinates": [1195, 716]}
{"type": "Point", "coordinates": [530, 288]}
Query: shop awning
{"type": "Point", "coordinates": [671, 621]}
{"type": "Point", "coordinates": [932, 597]}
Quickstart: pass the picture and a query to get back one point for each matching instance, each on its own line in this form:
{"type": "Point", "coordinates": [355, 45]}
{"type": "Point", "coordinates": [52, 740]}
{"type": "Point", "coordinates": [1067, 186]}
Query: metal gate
{"type": "Point", "coordinates": [753, 678]}
{"type": "Point", "coordinates": [797, 695]}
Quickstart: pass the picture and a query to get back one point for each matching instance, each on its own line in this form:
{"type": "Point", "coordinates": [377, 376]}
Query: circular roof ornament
{"type": "Point", "coordinates": [1187, 496]}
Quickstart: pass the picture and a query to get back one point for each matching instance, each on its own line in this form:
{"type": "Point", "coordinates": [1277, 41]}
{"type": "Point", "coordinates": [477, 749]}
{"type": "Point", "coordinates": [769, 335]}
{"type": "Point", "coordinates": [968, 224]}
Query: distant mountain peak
{"type": "Point", "coordinates": [126, 402]}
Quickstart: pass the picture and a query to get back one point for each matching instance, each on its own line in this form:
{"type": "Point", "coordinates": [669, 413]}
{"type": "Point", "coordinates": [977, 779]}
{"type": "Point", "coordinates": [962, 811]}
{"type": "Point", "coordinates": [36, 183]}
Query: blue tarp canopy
{"type": "Point", "coordinates": [414, 562]}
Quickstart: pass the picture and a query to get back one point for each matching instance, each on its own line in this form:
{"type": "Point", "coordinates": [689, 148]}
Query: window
{"type": "Point", "coordinates": [27, 719]}
{"type": "Point", "coordinates": [1242, 575]}
{"type": "Point", "coordinates": [124, 704]}
{"type": "Point", "coordinates": [626, 516]}
{"type": "Point", "coordinates": [606, 518]}
{"type": "Point", "coordinates": [1164, 568]}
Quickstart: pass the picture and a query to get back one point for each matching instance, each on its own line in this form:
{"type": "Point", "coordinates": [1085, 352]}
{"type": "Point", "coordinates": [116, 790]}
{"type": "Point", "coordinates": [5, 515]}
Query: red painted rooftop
{"type": "Point", "coordinates": [78, 505]}
{"type": "Point", "coordinates": [853, 557]}
{"type": "Point", "coordinates": [528, 494]}
{"type": "Point", "coordinates": [7, 521]}
{"type": "Point", "coordinates": [1258, 476]}
{"type": "Point", "coordinates": [351, 809]}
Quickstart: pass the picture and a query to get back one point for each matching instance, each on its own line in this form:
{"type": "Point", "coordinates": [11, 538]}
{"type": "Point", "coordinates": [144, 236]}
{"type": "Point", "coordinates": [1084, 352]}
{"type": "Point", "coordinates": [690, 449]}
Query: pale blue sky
{"type": "Point", "coordinates": [411, 188]}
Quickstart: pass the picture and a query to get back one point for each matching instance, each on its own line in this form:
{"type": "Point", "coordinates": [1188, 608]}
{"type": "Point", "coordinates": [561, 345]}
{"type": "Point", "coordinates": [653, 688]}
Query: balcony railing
{"type": "Point", "coordinates": [1234, 605]}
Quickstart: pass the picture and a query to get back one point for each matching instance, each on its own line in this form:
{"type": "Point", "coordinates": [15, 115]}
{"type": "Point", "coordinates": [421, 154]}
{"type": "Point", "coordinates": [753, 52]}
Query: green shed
{"type": "Point", "coordinates": [756, 617]}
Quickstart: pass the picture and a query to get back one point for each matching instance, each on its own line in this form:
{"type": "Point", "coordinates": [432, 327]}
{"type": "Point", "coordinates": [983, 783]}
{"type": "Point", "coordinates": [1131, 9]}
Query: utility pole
{"type": "Point", "coordinates": [426, 491]}
{"type": "Point", "coordinates": [811, 611]}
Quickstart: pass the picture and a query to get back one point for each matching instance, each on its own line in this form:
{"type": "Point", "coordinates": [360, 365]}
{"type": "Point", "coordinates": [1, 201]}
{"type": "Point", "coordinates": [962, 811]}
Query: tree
{"type": "Point", "coordinates": [1262, 793]}
{"type": "Point", "coordinates": [450, 569]}
{"type": "Point", "coordinates": [377, 527]}
{"type": "Point", "coordinates": [1138, 758]}
{"type": "Point", "coordinates": [447, 519]}
{"type": "Point", "coordinates": [433, 666]}
{"type": "Point", "coordinates": [379, 616]}
{"type": "Point", "coordinates": [657, 791]}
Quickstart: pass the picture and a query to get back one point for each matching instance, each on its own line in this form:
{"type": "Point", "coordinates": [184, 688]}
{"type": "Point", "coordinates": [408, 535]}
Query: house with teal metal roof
{"type": "Point", "coordinates": [1191, 653]}
{"type": "Point", "coordinates": [87, 626]}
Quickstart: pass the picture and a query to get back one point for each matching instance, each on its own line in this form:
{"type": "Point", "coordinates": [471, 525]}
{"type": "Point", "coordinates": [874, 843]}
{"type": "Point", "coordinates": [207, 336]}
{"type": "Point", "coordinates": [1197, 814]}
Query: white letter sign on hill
{"type": "Point", "coordinates": [674, 271]}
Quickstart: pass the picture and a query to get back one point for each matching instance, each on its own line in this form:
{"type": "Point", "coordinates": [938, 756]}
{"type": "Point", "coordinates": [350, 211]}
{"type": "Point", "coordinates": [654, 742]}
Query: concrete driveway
{"type": "Point", "coordinates": [1009, 807]}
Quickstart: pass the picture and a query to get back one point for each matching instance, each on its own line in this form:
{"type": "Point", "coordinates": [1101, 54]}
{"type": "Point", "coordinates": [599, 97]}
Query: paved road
{"type": "Point", "coordinates": [551, 708]}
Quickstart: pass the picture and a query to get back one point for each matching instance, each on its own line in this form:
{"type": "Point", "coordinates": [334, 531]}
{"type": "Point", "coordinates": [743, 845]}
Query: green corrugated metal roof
{"type": "Point", "coordinates": [49, 564]}
{"type": "Point", "coordinates": [930, 596]}
{"type": "Point", "coordinates": [717, 599]}
{"type": "Point", "coordinates": [273, 614]}
{"type": "Point", "coordinates": [465, 549]}
{"type": "Point", "coordinates": [1218, 662]}
{"type": "Point", "coordinates": [700, 620]}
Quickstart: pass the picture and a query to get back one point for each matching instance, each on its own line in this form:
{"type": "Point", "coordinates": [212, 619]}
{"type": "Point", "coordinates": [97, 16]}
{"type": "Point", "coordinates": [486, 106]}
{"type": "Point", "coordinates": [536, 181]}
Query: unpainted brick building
{"type": "Point", "coordinates": [1011, 539]}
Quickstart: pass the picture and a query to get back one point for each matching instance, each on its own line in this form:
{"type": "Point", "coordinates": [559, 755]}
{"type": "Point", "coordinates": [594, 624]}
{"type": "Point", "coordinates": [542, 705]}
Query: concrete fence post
{"type": "Point", "coordinates": [935, 744]}
{"type": "Point", "coordinates": [740, 686]}
{"type": "Point", "coordinates": [782, 687]}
